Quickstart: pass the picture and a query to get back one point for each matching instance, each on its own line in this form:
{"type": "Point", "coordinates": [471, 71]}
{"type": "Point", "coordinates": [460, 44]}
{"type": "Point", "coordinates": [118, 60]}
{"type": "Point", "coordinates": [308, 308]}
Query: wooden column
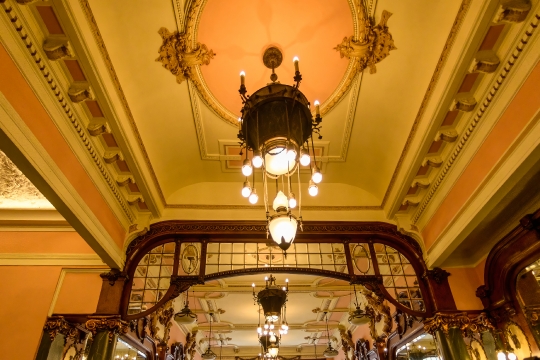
{"type": "Point", "coordinates": [111, 292]}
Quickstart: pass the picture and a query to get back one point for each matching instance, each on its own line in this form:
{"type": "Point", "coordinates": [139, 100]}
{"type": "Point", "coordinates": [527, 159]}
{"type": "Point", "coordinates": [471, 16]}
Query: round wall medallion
{"type": "Point", "coordinates": [189, 259]}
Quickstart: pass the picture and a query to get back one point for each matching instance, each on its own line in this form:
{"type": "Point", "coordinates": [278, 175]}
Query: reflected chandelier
{"type": "Point", "coordinates": [277, 126]}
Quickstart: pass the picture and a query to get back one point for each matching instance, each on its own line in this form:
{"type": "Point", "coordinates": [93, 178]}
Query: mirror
{"type": "Point", "coordinates": [421, 348]}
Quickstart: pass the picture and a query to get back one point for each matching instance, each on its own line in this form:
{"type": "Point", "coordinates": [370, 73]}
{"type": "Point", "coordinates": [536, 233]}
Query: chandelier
{"type": "Point", "coordinates": [277, 126]}
{"type": "Point", "coordinates": [272, 300]}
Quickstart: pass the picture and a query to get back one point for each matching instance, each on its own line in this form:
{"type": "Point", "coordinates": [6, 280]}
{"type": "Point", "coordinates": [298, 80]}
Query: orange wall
{"type": "Point", "coordinates": [43, 242]}
{"type": "Point", "coordinates": [79, 293]}
{"type": "Point", "coordinates": [22, 98]}
{"type": "Point", "coordinates": [27, 292]}
{"type": "Point", "coordinates": [463, 283]}
{"type": "Point", "coordinates": [518, 114]}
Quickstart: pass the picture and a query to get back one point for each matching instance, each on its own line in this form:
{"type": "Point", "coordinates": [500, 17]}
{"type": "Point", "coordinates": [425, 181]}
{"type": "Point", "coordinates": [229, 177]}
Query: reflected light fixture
{"type": "Point", "coordinates": [209, 354]}
{"type": "Point", "coordinates": [185, 316]}
{"type": "Point", "coordinates": [277, 126]}
{"type": "Point", "coordinates": [329, 352]}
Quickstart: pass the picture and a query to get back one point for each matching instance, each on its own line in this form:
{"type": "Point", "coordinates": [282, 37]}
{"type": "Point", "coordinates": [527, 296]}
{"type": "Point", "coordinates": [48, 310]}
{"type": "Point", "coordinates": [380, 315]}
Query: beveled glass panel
{"type": "Point", "coordinates": [225, 248]}
{"type": "Point", "coordinates": [313, 248]}
{"type": "Point", "coordinates": [314, 259]}
{"type": "Point", "coordinates": [301, 248]}
{"type": "Point", "coordinates": [212, 248]}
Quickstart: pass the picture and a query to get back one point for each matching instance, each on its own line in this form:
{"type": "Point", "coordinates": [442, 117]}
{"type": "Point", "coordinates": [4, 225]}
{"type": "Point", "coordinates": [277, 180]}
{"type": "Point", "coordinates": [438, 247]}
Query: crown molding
{"type": "Point", "coordinates": [29, 259]}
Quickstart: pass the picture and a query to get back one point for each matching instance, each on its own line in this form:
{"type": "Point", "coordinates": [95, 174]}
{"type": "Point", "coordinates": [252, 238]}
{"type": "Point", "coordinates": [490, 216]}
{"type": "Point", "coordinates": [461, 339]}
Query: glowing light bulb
{"type": "Point", "coordinates": [242, 78]}
{"type": "Point", "coordinates": [313, 189]}
{"type": "Point", "coordinates": [246, 190]}
{"type": "Point", "coordinates": [296, 65]}
{"type": "Point", "coordinates": [501, 356]}
{"type": "Point", "coordinates": [317, 107]}
{"type": "Point", "coordinates": [257, 160]}
{"type": "Point", "coordinates": [246, 168]}
{"type": "Point", "coordinates": [272, 338]}
{"type": "Point", "coordinates": [271, 326]}
{"type": "Point", "coordinates": [292, 201]}
{"type": "Point", "coordinates": [266, 326]}
{"type": "Point", "coordinates": [512, 356]}
{"type": "Point", "coordinates": [253, 198]}
{"type": "Point", "coordinates": [316, 175]}
{"type": "Point", "coordinates": [291, 153]}
{"type": "Point", "coordinates": [305, 159]}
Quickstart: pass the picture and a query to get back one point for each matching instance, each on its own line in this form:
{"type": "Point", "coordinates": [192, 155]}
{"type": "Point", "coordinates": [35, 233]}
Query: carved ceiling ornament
{"type": "Point", "coordinates": [179, 55]}
{"type": "Point", "coordinates": [371, 45]}
{"type": "Point", "coordinates": [113, 324]}
{"type": "Point", "coordinates": [191, 20]}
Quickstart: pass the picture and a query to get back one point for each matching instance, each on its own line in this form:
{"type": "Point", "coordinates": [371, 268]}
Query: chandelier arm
{"type": "Point", "coordinates": [312, 148]}
{"type": "Point", "coordinates": [265, 189]}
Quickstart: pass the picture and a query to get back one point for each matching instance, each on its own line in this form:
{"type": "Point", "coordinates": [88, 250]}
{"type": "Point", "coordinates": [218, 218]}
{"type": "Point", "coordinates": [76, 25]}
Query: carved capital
{"type": "Point", "coordinates": [58, 325]}
{"type": "Point", "coordinates": [532, 313]}
{"type": "Point", "coordinates": [481, 323]}
{"type": "Point", "coordinates": [437, 274]}
{"type": "Point", "coordinates": [503, 314]}
{"type": "Point", "coordinates": [445, 321]}
{"type": "Point", "coordinates": [182, 284]}
{"type": "Point", "coordinates": [80, 91]}
{"type": "Point", "coordinates": [113, 324]}
{"type": "Point", "coordinates": [112, 276]}
{"type": "Point", "coordinates": [370, 282]}
{"type": "Point", "coordinates": [178, 55]}
{"type": "Point", "coordinates": [57, 48]}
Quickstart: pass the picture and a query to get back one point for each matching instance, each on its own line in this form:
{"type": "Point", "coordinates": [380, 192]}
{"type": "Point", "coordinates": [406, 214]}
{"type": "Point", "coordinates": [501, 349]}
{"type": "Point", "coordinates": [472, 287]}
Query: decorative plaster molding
{"type": "Point", "coordinates": [485, 61]}
{"type": "Point", "coordinates": [484, 105]}
{"type": "Point", "coordinates": [80, 91]}
{"type": "Point", "coordinates": [52, 259]}
{"type": "Point", "coordinates": [449, 135]}
{"type": "Point", "coordinates": [464, 7]}
{"type": "Point", "coordinates": [33, 51]}
{"type": "Point", "coordinates": [178, 56]}
{"type": "Point", "coordinates": [98, 126]}
{"type": "Point", "coordinates": [513, 11]}
{"type": "Point", "coordinates": [57, 48]}
{"type": "Point", "coordinates": [374, 43]}
{"type": "Point", "coordinates": [463, 102]}
{"type": "Point", "coordinates": [110, 157]}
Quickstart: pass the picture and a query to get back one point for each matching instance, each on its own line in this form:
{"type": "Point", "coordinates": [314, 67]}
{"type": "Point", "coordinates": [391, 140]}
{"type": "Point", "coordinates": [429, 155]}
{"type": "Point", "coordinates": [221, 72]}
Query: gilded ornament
{"type": "Point", "coordinates": [113, 324]}
{"type": "Point", "coordinates": [373, 43]}
{"type": "Point", "coordinates": [179, 56]}
{"type": "Point", "coordinates": [58, 325]}
{"type": "Point", "coordinates": [445, 321]}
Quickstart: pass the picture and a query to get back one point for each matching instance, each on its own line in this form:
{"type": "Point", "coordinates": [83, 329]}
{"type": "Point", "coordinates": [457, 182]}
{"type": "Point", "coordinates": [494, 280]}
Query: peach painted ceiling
{"type": "Point", "coordinates": [309, 29]}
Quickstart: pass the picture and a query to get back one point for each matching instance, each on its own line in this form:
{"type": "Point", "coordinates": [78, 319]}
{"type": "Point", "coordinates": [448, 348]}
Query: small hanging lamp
{"type": "Point", "coordinates": [209, 354]}
{"type": "Point", "coordinates": [330, 352]}
{"type": "Point", "coordinates": [185, 316]}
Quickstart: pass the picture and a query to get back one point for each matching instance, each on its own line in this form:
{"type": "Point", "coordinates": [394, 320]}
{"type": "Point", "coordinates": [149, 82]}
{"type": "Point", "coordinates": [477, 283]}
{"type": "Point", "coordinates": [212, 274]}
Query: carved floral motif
{"type": "Point", "coordinates": [113, 324]}
{"type": "Point", "coordinates": [58, 325]}
{"type": "Point", "coordinates": [179, 56]}
{"type": "Point", "coordinates": [373, 44]}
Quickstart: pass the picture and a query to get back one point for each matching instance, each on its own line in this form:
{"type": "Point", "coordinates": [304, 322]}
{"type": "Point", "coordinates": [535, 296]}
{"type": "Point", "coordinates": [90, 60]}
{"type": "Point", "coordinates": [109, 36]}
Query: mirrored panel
{"type": "Point", "coordinates": [422, 347]}
{"type": "Point", "coordinates": [124, 351]}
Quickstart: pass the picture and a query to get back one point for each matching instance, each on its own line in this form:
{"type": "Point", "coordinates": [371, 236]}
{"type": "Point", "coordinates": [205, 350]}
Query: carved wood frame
{"type": "Point", "coordinates": [505, 261]}
{"type": "Point", "coordinates": [205, 232]}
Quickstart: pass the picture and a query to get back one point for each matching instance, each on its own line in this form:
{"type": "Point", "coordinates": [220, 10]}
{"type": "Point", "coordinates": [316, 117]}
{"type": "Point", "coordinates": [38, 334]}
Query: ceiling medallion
{"type": "Point", "coordinates": [373, 44]}
{"type": "Point", "coordinates": [277, 126]}
{"type": "Point", "coordinates": [272, 300]}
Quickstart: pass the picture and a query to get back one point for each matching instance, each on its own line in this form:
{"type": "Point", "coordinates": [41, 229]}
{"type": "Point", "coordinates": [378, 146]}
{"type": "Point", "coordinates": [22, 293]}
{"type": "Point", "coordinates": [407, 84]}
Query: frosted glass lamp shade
{"type": "Point", "coordinates": [283, 230]}
{"type": "Point", "coordinates": [277, 163]}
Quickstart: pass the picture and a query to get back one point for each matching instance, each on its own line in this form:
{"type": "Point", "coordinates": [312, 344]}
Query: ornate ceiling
{"type": "Point", "coordinates": [401, 125]}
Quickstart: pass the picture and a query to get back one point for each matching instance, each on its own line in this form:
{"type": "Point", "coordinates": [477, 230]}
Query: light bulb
{"type": "Point", "coordinates": [257, 160]}
{"type": "Point", "coordinates": [512, 356]}
{"type": "Point", "coordinates": [246, 168]}
{"type": "Point", "coordinates": [292, 201]}
{"type": "Point", "coordinates": [291, 153]}
{"type": "Point", "coordinates": [259, 330]}
{"type": "Point", "coordinates": [246, 190]}
{"type": "Point", "coordinates": [272, 338]}
{"type": "Point", "coordinates": [305, 159]}
{"type": "Point", "coordinates": [253, 198]}
{"type": "Point", "coordinates": [266, 326]}
{"type": "Point", "coordinates": [316, 175]}
{"type": "Point", "coordinates": [271, 326]}
{"type": "Point", "coordinates": [501, 356]}
{"type": "Point", "coordinates": [313, 189]}
{"type": "Point", "coordinates": [265, 332]}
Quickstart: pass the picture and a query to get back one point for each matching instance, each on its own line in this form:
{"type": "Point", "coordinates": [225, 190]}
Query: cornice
{"type": "Point", "coordinates": [50, 81]}
{"type": "Point", "coordinates": [496, 84]}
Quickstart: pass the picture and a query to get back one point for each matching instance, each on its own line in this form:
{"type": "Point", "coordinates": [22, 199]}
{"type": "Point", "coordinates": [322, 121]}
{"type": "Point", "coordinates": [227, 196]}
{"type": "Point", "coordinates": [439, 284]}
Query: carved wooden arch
{"type": "Point", "coordinates": [205, 232]}
{"type": "Point", "coordinates": [509, 256]}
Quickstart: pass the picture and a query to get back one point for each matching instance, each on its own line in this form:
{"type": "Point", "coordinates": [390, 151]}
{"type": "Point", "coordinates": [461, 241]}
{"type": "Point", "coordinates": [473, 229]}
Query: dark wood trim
{"type": "Point", "coordinates": [205, 232]}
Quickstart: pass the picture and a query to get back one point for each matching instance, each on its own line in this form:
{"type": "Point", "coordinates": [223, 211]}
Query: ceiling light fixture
{"type": "Point", "coordinates": [277, 126]}
{"type": "Point", "coordinates": [209, 354]}
{"type": "Point", "coordinates": [329, 352]}
{"type": "Point", "coordinates": [358, 317]}
{"type": "Point", "coordinates": [185, 316]}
